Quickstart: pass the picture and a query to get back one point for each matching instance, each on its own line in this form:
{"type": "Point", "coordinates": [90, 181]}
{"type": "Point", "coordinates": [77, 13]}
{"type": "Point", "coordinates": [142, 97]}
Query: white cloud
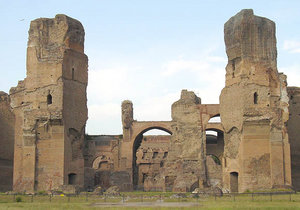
{"type": "Point", "coordinates": [107, 84]}
{"type": "Point", "coordinates": [292, 72]}
{"type": "Point", "coordinates": [203, 66]}
{"type": "Point", "coordinates": [152, 90]}
{"type": "Point", "coordinates": [175, 66]}
{"type": "Point", "coordinates": [291, 46]}
{"type": "Point", "coordinates": [208, 75]}
{"type": "Point", "coordinates": [156, 108]}
{"type": "Point", "coordinates": [104, 111]}
{"type": "Point", "coordinates": [104, 118]}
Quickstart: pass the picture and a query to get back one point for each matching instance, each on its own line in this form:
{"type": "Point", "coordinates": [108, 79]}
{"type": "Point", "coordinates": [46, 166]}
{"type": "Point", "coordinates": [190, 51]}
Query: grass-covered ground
{"type": "Point", "coordinates": [143, 200]}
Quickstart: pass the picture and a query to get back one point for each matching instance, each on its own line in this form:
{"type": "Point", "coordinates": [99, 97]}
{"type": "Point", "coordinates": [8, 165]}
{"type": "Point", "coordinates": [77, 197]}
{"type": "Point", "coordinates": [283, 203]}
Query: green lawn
{"type": "Point", "coordinates": [141, 198]}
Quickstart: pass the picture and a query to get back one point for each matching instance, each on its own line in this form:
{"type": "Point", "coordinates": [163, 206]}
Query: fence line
{"type": "Point", "coordinates": [143, 197]}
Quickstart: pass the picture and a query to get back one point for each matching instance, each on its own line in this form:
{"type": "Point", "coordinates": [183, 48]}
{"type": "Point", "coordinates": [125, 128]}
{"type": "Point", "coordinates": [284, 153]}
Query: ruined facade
{"type": "Point", "coordinates": [257, 150]}
{"type": "Point", "coordinates": [44, 118]}
{"type": "Point", "coordinates": [163, 163]}
{"type": "Point", "coordinates": [50, 107]}
{"type": "Point", "coordinates": [293, 131]}
{"type": "Point", "coordinates": [7, 127]}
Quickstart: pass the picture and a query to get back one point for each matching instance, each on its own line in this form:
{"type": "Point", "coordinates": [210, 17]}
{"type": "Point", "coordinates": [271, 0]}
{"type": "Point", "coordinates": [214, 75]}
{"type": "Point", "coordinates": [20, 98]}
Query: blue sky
{"type": "Point", "coordinates": [147, 50]}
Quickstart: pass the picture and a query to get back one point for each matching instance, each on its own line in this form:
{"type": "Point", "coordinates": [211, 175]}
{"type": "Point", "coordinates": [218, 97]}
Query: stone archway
{"type": "Point", "coordinates": [214, 154]}
{"type": "Point", "coordinates": [100, 161]}
{"type": "Point", "coordinates": [214, 142]}
{"type": "Point", "coordinates": [102, 165]}
{"type": "Point", "coordinates": [147, 158]}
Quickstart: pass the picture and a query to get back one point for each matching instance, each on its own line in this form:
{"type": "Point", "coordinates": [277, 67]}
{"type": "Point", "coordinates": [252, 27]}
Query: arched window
{"type": "Point", "coordinates": [103, 165]}
{"type": "Point", "coordinates": [215, 119]}
{"type": "Point", "coordinates": [155, 154]}
{"type": "Point", "coordinates": [255, 96]}
{"type": "Point", "coordinates": [49, 99]}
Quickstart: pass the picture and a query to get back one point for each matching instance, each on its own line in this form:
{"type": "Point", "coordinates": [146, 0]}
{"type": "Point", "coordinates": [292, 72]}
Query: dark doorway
{"type": "Point", "coordinates": [72, 179]}
{"type": "Point", "coordinates": [234, 182]}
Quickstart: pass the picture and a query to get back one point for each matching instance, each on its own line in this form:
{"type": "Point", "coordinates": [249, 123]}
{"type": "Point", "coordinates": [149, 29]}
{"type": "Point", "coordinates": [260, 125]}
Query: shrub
{"type": "Point", "coordinates": [196, 195]}
{"type": "Point", "coordinates": [216, 159]}
{"type": "Point", "coordinates": [18, 199]}
{"type": "Point", "coordinates": [43, 192]}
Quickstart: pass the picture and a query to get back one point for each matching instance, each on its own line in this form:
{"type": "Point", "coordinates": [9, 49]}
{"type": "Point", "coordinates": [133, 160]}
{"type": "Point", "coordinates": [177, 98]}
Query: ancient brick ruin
{"type": "Point", "coordinates": [50, 107]}
{"type": "Point", "coordinates": [254, 146]}
{"type": "Point", "coordinates": [257, 148]}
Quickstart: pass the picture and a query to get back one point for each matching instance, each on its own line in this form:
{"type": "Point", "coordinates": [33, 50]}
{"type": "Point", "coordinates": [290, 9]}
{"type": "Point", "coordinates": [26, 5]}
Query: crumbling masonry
{"type": "Point", "coordinates": [50, 107]}
{"type": "Point", "coordinates": [42, 121]}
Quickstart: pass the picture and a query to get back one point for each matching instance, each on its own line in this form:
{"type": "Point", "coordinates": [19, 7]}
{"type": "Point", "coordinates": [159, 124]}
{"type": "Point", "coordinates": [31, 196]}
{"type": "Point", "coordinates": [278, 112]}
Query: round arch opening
{"type": "Point", "coordinates": [215, 144]}
{"type": "Point", "coordinates": [214, 155]}
{"type": "Point", "coordinates": [150, 150]}
{"type": "Point", "coordinates": [215, 119]}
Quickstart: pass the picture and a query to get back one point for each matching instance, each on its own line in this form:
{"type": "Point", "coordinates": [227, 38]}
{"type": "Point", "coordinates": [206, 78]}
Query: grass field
{"type": "Point", "coordinates": [136, 200]}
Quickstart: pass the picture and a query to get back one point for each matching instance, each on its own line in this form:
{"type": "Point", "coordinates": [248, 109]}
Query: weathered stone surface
{"type": "Point", "coordinates": [186, 160]}
{"type": "Point", "coordinates": [127, 114]}
{"type": "Point", "coordinates": [294, 134]}
{"type": "Point", "coordinates": [186, 183]}
{"type": "Point", "coordinates": [216, 191]}
{"type": "Point", "coordinates": [50, 107]}
{"type": "Point", "coordinates": [254, 106]}
{"type": "Point", "coordinates": [151, 156]}
{"type": "Point", "coordinates": [249, 150]}
{"type": "Point", "coordinates": [113, 190]}
{"type": "Point", "coordinates": [98, 191]}
{"type": "Point", "coordinates": [154, 182]}
{"type": "Point", "coordinates": [185, 157]}
{"type": "Point", "coordinates": [7, 120]}
{"type": "Point", "coordinates": [214, 171]}
{"type": "Point", "coordinates": [187, 126]}
{"type": "Point", "coordinates": [68, 189]}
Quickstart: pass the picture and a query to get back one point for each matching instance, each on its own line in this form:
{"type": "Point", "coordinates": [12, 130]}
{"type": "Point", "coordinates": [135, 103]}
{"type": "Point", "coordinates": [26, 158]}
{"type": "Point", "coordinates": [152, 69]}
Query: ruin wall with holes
{"type": "Point", "coordinates": [256, 146]}
{"type": "Point", "coordinates": [50, 108]}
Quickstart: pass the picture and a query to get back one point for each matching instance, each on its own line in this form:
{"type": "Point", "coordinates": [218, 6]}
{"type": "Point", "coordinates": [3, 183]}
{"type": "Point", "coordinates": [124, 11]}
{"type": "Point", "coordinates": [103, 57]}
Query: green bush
{"type": "Point", "coordinates": [216, 159]}
{"type": "Point", "coordinates": [43, 192]}
{"type": "Point", "coordinates": [18, 199]}
{"type": "Point", "coordinates": [196, 195]}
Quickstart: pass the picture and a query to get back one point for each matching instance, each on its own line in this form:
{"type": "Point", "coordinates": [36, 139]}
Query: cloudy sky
{"type": "Point", "coordinates": [147, 51]}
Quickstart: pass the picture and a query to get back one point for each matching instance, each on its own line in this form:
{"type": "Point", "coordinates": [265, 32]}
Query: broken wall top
{"type": "Point", "coordinates": [3, 96]}
{"type": "Point", "coordinates": [55, 46]}
{"type": "Point", "coordinates": [127, 114]}
{"type": "Point", "coordinates": [188, 97]}
{"type": "Point", "coordinates": [61, 32]}
{"type": "Point", "coordinates": [250, 36]}
{"type": "Point", "coordinates": [251, 49]}
{"type": "Point", "coordinates": [251, 73]}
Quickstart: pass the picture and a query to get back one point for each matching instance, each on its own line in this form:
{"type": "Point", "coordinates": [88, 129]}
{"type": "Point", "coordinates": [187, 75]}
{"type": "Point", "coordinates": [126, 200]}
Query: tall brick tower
{"type": "Point", "coordinates": [254, 107]}
{"type": "Point", "coordinates": [50, 106]}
